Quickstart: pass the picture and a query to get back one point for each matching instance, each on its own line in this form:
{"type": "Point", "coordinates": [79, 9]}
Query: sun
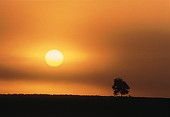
{"type": "Point", "coordinates": [54, 58]}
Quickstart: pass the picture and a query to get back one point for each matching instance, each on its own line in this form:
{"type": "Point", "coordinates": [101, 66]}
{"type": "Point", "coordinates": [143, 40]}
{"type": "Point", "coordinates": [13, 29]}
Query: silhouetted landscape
{"type": "Point", "coordinates": [82, 106]}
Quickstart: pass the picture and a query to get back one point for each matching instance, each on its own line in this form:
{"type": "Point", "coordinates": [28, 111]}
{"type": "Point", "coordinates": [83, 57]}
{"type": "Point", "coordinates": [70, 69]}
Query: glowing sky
{"type": "Point", "coordinates": [100, 40]}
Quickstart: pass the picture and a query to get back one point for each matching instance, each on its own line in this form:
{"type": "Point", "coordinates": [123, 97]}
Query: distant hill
{"type": "Point", "coordinates": [82, 106]}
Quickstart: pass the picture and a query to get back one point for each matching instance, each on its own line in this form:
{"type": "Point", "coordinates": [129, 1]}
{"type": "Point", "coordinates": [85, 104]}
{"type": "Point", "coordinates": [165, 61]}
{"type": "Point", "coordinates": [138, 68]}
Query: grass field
{"type": "Point", "coordinates": [82, 106]}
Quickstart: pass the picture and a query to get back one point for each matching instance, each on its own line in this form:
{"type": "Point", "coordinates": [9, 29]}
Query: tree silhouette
{"type": "Point", "coordinates": [120, 87]}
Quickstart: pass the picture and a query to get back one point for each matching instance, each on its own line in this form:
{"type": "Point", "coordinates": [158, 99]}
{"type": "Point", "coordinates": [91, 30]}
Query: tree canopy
{"type": "Point", "coordinates": [120, 87]}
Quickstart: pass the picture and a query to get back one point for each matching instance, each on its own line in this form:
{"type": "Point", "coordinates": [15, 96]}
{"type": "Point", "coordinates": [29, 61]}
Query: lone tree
{"type": "Point", "coordinates": [120, 87]}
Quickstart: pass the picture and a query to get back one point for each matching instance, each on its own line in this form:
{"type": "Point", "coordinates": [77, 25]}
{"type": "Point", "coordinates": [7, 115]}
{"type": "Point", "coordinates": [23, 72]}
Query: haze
{"type": "Point", "coordinates": [100, 40]}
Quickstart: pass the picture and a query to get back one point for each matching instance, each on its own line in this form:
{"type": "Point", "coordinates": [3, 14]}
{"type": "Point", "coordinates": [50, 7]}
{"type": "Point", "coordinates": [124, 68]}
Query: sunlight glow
{"type": "Point", "coordinates": [54, 58]}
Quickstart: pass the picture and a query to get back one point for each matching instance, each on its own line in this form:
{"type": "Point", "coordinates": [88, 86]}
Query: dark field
{"type": "Point", "coordinates": [82, 106]}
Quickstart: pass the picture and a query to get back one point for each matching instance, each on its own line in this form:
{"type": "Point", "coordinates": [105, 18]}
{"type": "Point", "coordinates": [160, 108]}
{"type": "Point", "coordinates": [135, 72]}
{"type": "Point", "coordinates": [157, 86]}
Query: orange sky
{"type": "Point", "coordinates": [100, 40]}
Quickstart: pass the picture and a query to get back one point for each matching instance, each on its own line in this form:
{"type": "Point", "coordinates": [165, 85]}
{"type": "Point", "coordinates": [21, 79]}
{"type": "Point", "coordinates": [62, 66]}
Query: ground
{"type": "Point", "coordinates": [82, 106]}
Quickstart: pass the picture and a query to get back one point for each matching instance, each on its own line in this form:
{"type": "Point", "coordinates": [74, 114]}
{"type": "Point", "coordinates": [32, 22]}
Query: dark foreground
{"type": "Point", "coordinates": [82, 106]}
